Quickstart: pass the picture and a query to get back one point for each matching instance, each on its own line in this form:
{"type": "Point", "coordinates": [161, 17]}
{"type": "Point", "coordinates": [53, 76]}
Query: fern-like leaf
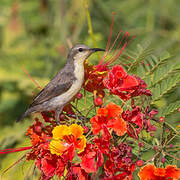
{"type": "Point", "coordinates": [164, 87]}
{"type": "Point", "coordinates": [169, 109]}
{"type": "Point", "coordinates": [151, 63]}
{"type": "Point", "coordinates": [140, 56]}
{"type": "Point", "coordinates": [163, 72]}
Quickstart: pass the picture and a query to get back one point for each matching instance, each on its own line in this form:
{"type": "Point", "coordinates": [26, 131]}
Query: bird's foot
{"type": "Point", "coordinates": [57, 113]}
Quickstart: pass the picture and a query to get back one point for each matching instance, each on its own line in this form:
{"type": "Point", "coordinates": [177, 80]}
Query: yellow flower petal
{"type": "Point", "coordinates": [82, 144]}
{"type": "Point", "coordinates": [60, 131]}
{"type": "Point", "coordinates": [76, 130]}
{"type": "Point", "coordinates": [58, 147]}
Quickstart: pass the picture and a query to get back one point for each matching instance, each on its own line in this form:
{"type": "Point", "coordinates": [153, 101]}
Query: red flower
{"type": "Point", "coordinates": [124, 85]}
{"type": "Point", "coordinates": [134, 121]}
{"type": "Point", "coordinates": [47, 163]}
{"type": "Point", "coordinates": [94, 79]}
{"type": "Point", "coordinates": [109, 117]}
{"type": "Point", "coordinates": [76, 172]}
{"type": "Point", "coordinates": [102, 145]}
{"type": "Point", "coordinates": [137, 120]}
{"type": "Point", "coordinates": [149, 172]}
{"type": "Point", "coordinates": [119, 162]}
{"type": "Point", "coordinates": [39, 133]}
{"type": "Point", "coordinates": [92, 159]}
{"type": "Point", "coordinates": [50, 165]}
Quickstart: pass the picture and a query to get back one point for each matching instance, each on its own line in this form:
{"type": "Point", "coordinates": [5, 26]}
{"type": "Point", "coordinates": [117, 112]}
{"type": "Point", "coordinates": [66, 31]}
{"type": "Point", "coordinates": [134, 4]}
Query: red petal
{"type": "Point", "coordinates": [119, 72]}
{"type": "Point", "coordinates": [48, 167]}
{"type": "Point", "coordinates": [129, 82]}
{"type": "Point", "coordinates": [88, 164]}
{"type": "Point", "coordinates": [173, 172]}
{"type": "Point", "coordinates": [100, 159]}
{"type": "Point", "coordinates": [60, 168]}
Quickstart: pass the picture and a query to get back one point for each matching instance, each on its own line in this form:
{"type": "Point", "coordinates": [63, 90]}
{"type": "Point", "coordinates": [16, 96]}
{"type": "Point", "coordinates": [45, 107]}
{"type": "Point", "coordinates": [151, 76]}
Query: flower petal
{"type": "Point", "coordinates": [173, 172]}
{"type": "Point", "coordinates": [76, 130]}
{"type": "Point", "coordinates": [129, 82]}
{"type": "Point", "coordinates": [58, 147]}
{"type": "Point", "coordinates": [102, 112]}
{"type": "Point", "coordinates": [60, 131]}
{"type": "Point", "coordinates": [82, 144]}
{"type": "Point", "coordinates": [147, 172]}
{"type": "Point", "coordinates": [120, 126]}
{"type": "Point", "coordinates": [114, 110]}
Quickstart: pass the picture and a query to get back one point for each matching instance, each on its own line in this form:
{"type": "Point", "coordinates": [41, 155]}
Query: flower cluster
{"type": "Point", "coordinates": [107, 142]}
{"type": "Point", "coordinates": [103, 147]}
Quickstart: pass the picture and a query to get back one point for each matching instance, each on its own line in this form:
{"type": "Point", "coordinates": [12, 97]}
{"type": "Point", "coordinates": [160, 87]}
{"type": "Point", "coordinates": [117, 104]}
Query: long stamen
{"type": "Point", "coordinates": [117, 46]}
{"type": "Point", "coordinates": [33, 80]}
{"type": "Point", "coordinates": [110, 33]}
{"type": "Point", "coordinates": [6, 151]}
{"type": "Point", "coordinates": [12, 165]}
{"type": "Point", "coordinates": [109, 38]}
{"type": "Point", "coordinates": [117, 37]}
{"type": "Point", "coordinates": [120, 51]}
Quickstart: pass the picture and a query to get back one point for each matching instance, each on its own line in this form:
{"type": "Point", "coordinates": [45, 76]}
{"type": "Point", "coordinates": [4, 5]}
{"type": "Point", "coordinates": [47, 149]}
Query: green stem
{"type": "Point", "coordinates": [90, 28]}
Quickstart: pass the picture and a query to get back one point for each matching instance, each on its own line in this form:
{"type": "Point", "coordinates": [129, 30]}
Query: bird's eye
{"type": "Point", "coordinates": [80, 49]}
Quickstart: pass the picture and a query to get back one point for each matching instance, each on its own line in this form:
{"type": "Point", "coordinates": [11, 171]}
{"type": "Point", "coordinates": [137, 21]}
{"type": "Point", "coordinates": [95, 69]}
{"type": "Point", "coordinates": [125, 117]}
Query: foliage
{"type": "Point", "coordinates": [35, 34]}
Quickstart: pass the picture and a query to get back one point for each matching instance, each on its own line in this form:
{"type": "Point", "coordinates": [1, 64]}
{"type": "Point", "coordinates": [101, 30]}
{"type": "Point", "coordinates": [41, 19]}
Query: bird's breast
{"type": "Point", "coordinates": [74, 89]}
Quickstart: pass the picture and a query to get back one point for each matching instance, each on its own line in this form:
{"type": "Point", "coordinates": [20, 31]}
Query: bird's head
{"type": "Point", "coordinates": [81, 52]}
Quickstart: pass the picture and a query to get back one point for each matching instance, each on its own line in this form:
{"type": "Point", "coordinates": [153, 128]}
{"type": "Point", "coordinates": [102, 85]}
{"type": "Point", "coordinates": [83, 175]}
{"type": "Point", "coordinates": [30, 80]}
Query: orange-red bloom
{"type": "Point", "coordinates": [150, 172]}
{"type": "Point", "coordinates": [123, 85]}
{"type": "Point", "coordinates": [94, 79]}
{"type": "Point", "coordinates": [66, 138]}
{"type": "Point", "coordinates": [109, 117]}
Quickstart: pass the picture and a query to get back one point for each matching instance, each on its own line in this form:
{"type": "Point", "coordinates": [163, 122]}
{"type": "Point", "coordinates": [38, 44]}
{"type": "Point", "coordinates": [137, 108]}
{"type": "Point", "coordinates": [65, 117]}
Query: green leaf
{"type": "Point", "coordinates": [150, 64]}
{"type": "Point", "coordinates": [165, 55]}
{"type": "Point", "coordinates": [164, 87]}
{"type": "Point", "coordinates": [163, 72]}
{"type": "Point", "coordinates": [140, 56]}
{"type": "Point", "coordinates": [169, 109]}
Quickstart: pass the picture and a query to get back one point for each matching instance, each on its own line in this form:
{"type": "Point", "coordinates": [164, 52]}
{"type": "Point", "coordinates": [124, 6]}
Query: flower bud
{"type": "Point", "coordinates": [79, 95]}
{"type": "Point", "coordinates": [86, 129]}
{"type": "Point", "coordinates": [98, 101]}
{"type": "Point", "coordinates": [38, 129]}
{"type": "Point", "coordinates": [155, 148]}
{"type": "Point", "coordinates": [153, 112]}
{"type": "Point", "coordinates": [161, 119]}
{"type": "Point", "coordinates": [171, 146]}
{"type": "Point", "coordinates": [163, 160]}
{"type": "Point", "coordinates": [141, 144]}
{"type": "Point", "coordinates": [139, 163]}
{"type": "Point", "coordinates": [62, 116]}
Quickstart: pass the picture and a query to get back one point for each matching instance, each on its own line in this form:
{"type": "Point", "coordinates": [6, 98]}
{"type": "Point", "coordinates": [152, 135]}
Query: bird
{"type": "Point", "coordinates": [65, 84]}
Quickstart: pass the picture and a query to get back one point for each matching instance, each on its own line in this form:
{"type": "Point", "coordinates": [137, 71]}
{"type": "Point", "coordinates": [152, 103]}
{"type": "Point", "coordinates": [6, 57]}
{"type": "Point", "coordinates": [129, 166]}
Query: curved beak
{"type": "Point", "coordinates": [96, 49]}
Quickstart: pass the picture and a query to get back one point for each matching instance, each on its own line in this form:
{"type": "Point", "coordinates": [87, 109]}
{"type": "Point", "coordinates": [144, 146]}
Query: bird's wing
{"type": "Point", "coordinates": [57, 86]}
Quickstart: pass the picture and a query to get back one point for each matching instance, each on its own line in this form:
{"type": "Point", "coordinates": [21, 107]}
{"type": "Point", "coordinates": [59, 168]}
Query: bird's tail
{"type": "Point", "coordinates": [28, 111]}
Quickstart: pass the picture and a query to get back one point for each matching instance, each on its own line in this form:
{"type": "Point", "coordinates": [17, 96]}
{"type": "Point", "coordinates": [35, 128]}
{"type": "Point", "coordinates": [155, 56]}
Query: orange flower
{"type": "Point", "coordinates": [150, 172]}
{"type": "Point", "coordinates": [114, 110]}
{"type": "Point", "coordinates": [109, 117]}
{"type": "Point", "coordinates": [102, 112]}
{"type": "Point", "coordinates": [64, 138]}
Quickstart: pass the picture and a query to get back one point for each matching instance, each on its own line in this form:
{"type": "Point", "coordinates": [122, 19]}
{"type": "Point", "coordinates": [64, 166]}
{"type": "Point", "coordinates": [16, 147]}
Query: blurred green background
{"type": "Point", "coordinates": [35, 34]}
